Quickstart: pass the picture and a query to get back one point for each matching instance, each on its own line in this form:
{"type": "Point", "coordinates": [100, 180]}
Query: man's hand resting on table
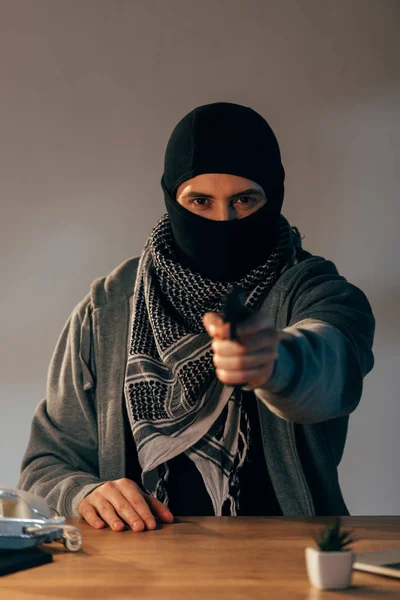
{"type": "Point", "coordinates": [121, 502]}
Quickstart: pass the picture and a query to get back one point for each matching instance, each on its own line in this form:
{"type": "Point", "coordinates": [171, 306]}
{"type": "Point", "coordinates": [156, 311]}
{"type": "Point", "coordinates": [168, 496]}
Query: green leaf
{"type": "Point", "coordinates": [332, 538]}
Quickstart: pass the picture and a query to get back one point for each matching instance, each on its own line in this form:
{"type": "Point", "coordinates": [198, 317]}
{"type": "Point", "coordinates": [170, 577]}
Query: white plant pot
{"type": "Point", "coordinates": [329, 570]}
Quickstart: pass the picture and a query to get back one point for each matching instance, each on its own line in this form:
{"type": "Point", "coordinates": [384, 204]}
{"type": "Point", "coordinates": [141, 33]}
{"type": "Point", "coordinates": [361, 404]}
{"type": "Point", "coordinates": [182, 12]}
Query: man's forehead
{"type": "Point", "coordinates": [211, 182]}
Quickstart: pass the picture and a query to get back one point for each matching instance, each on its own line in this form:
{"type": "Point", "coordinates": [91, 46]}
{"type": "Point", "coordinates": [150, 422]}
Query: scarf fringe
{"type": "Point", "coordinates": [234, 482]}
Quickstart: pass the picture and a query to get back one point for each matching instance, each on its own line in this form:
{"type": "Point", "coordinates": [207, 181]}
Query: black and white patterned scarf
{"type": "Point", "coordinates": [174, 400]}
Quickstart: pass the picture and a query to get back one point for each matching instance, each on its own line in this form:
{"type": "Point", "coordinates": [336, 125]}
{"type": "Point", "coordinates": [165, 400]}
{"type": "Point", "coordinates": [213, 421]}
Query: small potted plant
{"type": "Point", "coordinates": [330, 566]}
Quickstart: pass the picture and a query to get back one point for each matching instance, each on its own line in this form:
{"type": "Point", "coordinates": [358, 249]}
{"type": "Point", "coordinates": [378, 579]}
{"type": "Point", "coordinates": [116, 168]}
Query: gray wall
{"type": "Point", "coordinates": [90, 91]}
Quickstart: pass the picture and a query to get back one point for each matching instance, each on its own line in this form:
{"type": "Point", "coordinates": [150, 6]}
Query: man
{"type": "Point", "coordinates": [141, 419]}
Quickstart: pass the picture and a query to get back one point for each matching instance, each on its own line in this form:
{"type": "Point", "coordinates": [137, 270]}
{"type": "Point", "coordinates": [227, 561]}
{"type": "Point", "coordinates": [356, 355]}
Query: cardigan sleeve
{"type": "Point", "coordinates": [324, 353]}
{"type": "Point", "coordinates": [61, 461]}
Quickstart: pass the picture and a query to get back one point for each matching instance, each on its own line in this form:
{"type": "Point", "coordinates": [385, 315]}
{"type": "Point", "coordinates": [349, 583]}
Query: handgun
{"type": "Point", "coordinates": [234, 311]}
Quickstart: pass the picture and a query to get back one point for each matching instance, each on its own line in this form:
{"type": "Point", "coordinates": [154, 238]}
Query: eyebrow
{"type": "Point", "coordinates": [248, 192]}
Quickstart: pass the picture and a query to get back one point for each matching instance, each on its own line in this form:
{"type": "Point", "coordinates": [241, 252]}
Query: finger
{"type": "Point", "coordinates": [135, 499]}
{"type": "Point", "coordinates": [270, 335]}
{"type": "Point", "coordinates": [256, 323]}
{"type": "Point", "coordinates": [89, 513]}
{"type": "Point", "coordinates": [215, 325]}
{"type": "Point", "coordinates": [124, 507]}
{"type": "Point", "coordinates": [107, 513]}
{"type": "Point", "coordinates": [253, 377]}
{"type": "Point", "coordinates": [256, 343]}
{"type": "Point", "coordinates": [243, 362]}
{"type": "Point", "coordinates": [160, 510]}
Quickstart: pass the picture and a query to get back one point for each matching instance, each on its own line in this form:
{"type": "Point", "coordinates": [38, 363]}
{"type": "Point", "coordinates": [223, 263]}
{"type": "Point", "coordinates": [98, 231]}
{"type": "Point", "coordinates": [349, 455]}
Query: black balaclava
{"type": "Point", "coordinates": [232, 139]}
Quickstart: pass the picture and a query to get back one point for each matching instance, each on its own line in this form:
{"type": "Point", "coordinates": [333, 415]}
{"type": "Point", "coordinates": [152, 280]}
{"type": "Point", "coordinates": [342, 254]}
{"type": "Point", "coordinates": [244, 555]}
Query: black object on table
{"type": "Point", "coordinates": [12, 561]}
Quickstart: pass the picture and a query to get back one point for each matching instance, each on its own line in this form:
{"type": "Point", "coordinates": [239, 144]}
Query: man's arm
{"type": "Point", "coordinates": [316, 375]}
{"type": "Point", "coordinates": [324, 354]}
{"type": "Point", "coordinates": [61, 461]}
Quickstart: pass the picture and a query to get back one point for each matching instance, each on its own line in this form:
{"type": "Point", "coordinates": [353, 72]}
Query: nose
{"type": "Point", "coordinates": [226, 212]}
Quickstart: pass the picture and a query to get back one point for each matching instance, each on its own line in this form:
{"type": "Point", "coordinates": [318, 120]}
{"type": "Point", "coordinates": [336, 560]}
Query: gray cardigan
{"type": "Point", "coordinates": [77, 438]}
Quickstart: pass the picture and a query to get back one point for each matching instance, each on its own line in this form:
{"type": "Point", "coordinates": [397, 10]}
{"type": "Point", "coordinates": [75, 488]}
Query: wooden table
{"type": "Point", "coordinates": [201, 557]}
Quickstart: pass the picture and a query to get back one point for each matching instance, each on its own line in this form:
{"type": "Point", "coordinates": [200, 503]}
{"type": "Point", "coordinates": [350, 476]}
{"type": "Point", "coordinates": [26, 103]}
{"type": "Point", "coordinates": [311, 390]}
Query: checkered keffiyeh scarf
{"type": "Point", "coordinates": [174, 400]}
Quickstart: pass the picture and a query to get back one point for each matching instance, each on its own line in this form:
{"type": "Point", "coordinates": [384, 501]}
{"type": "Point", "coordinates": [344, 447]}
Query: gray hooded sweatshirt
{"type": "Point", "coordinates": [77, 439]}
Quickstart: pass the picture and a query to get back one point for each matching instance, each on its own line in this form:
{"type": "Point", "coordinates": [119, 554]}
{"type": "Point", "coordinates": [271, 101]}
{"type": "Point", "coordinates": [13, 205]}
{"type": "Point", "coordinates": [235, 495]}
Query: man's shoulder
{"type": "Point", "coordinates": [308, 267]}
{"type": "Point", "coordinates": [116, 286]}
{"type": "Point", "coordinates": [119, 283]}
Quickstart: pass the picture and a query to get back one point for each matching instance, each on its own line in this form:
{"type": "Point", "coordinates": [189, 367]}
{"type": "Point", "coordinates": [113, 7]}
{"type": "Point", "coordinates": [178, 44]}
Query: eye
{"type": "Point", "coordinates": [199, 201]}
{"type": "Point", "coordinates": [247, 201]}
